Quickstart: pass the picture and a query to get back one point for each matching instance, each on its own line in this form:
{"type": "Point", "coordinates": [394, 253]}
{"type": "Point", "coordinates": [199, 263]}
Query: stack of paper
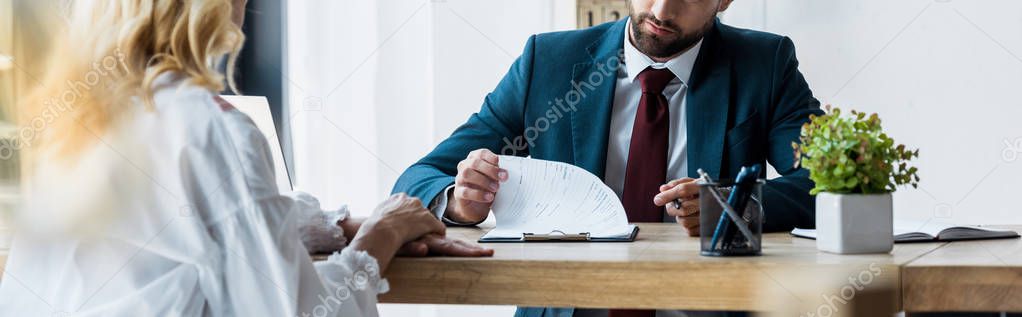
{"type": "Point", "coordinates": [544, 197]}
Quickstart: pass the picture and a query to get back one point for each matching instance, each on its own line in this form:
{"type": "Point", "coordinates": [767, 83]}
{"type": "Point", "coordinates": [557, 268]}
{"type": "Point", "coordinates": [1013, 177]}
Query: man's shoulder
{"type": "Point", "coordinates": [751, 41]}
{"type": "Point", "coordinates": [566, 43]}
{"type": "Point", "coordinates": [587, 35]}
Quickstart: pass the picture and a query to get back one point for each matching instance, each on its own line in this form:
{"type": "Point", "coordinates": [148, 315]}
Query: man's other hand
{"type": "Point", "coordinates": [685, 190]}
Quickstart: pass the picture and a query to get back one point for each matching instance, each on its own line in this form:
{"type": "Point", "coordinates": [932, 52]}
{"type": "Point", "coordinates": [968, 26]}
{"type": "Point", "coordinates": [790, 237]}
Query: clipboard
{"type": "Point", "coordinates": [560, 236]}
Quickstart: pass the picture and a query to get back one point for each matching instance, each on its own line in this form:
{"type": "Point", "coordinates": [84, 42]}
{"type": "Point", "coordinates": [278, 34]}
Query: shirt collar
{"type": "Point", "coordinates": [636, 61]}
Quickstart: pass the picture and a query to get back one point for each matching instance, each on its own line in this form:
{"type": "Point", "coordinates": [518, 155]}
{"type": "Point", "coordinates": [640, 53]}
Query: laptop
{"type": "Point", "coordinates": [258, 108]}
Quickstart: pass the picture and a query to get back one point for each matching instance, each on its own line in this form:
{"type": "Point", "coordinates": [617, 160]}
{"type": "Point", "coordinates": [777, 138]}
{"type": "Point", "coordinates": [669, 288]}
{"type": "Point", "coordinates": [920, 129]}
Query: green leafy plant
{"type": "Point", "coordinates": [852, 155]}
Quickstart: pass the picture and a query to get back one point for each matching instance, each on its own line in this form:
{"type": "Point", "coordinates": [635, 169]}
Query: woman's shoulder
{"type": "Point", "coordinates": [199, 113]}
{"type": "Point", "coordinates": [214, 130]}
{"type": "Point", "coordinates": [176, 98]}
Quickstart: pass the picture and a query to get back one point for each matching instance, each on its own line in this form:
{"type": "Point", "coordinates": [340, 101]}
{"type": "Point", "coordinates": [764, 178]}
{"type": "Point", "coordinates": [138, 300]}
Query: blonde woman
{"type": "Point", "coordinates": [150, 196]}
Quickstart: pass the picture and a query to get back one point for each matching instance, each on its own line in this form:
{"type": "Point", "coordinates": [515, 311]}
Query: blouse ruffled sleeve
{"type": "Point", "coordinates": [319, 229]}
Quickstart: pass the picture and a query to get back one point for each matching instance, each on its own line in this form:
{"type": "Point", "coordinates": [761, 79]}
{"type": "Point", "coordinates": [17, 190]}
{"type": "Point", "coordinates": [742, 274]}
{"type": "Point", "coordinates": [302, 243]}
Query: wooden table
{"type": "Point", "coordinates": [966, 276]}
{"type": "Point", "coordinates": [662, 269]}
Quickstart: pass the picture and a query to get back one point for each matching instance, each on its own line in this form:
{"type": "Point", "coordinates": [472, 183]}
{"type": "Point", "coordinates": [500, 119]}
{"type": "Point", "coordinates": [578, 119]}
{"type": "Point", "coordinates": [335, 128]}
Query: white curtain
{"type": "Point", "coordinates": [374, 85]}
{"type": "Point", "coordinates": [359, 85]}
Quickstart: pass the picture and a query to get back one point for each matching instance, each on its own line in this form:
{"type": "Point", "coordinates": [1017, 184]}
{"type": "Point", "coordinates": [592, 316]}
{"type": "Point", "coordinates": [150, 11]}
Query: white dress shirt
{"type": "Point", "coordinates": [176, 213]}
{"type": "Point", "coordinates": [627, 93]}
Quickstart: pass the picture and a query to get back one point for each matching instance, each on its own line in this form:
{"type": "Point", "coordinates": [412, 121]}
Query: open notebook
{"type": "Point", "coordinates": [917, 231]}
{"type": "Point", "coordinates": [554, 201]}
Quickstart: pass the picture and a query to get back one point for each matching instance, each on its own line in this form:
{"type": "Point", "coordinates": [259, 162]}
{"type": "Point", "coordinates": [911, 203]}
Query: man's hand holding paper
{"type": "Point", "coordinates": [475, 187]}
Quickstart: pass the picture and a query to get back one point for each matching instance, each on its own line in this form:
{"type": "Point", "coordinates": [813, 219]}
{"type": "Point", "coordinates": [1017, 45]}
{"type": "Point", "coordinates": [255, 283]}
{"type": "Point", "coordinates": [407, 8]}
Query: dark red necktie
{"type": "Point", "coordinates": [646, 168]}
{"type": "Point", "coordinates": [647, 158]}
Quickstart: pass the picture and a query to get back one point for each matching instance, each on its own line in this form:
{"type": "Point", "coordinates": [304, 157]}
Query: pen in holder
{"type": "Point", "coordinates": [731, 229]}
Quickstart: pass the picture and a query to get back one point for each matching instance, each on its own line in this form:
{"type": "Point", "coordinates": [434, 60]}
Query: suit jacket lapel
{"type": "Point", "coordinates": [590, 121]}
{"type": "Point", "coordinates": [707, 107]}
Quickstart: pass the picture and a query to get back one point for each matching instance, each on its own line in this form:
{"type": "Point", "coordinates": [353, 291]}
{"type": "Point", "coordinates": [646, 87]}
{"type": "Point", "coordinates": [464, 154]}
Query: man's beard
{"type": "Point", "coordinates": [663, 47]}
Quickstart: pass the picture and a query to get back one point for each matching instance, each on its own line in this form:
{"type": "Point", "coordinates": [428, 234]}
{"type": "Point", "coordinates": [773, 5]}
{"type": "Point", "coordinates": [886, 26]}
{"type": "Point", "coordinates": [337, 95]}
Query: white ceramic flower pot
{"type": "Point", "coordinates": [854, 223]}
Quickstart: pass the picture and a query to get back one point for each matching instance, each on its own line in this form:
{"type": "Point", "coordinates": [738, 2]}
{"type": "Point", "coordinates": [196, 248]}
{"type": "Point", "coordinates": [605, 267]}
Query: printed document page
{"type": "Point", "coordinates": [541, 197]}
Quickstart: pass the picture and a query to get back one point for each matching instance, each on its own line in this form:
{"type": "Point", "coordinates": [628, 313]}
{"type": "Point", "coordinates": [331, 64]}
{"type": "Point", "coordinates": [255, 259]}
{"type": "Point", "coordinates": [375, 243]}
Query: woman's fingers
{"type": "Point", "coordinates": [414, 248]}
{"type": "Point", "coordinates": [406, 218]}
{"type": "Point", "coordinates": [421, 233]}
{"type": "Point", "coordinates": [397, 203]}
{"type": "Point", "coordinates": [420, 222]}
{"type": "Point", "coordinates": [452, 247]}
{"type": "Point", "coordinates": [433, 225]}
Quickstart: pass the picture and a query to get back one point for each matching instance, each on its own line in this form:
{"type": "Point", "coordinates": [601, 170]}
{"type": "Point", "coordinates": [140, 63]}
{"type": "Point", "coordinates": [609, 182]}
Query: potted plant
{"type": "Point", "coordinates": [856, 167]}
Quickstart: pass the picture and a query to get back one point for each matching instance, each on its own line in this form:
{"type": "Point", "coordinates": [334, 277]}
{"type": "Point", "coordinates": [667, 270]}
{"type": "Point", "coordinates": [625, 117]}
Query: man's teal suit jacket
{"type": "Point", "coordinates": [746, 104]}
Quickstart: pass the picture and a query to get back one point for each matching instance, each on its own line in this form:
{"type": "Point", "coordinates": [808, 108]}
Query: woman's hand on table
{"type": "Point", "coordinates": [433, 244]}
{"type": "Point", "coordinates": [398, 220]}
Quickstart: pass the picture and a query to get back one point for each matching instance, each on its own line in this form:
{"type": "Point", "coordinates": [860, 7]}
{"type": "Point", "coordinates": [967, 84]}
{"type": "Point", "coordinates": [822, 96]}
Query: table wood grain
{"type": "Point", "coordinates": [984, 275]}
{"type": "Point", "coordinates": [661, 269]}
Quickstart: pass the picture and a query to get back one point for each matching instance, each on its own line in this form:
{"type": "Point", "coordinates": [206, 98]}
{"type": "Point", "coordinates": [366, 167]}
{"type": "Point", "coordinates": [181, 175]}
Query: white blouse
{"type": "Point", "coordinates": [174, 211]}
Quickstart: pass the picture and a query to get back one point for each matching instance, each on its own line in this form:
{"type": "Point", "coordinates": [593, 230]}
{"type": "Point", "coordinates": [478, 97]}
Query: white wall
{"type": "Point", "coordinates": [943, 75]}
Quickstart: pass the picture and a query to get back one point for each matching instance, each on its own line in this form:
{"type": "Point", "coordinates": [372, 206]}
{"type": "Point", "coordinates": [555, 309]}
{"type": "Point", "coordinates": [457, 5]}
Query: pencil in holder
{"type": "Point", "coordinates": [725, 230]}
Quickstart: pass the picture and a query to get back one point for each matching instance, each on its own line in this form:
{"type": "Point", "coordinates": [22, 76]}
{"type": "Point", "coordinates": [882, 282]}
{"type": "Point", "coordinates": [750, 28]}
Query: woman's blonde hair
{"type": "Point", "coordinates": [111, 52]}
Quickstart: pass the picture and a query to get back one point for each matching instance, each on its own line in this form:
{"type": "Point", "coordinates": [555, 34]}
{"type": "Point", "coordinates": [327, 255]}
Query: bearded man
{"type": "Point", "coordinates": [642, 103]}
